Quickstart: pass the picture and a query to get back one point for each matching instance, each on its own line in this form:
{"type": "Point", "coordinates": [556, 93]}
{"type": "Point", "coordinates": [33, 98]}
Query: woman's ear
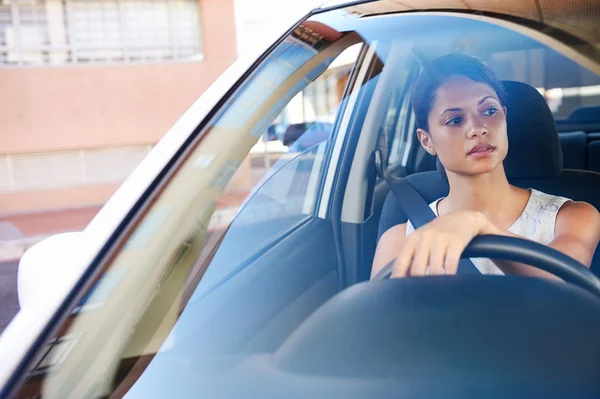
{"type": "Point", "coordinates": [425, 140]}
{"type": "Point", "coordinates": [504, 108]}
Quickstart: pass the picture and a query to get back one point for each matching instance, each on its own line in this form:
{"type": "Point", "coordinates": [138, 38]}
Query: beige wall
{"type": "Point", "coordinates": [71, 107]}
{"type": "Point", "coordinates": [77, 197]}
{"type": "Point", "coordinates": [46, 109]}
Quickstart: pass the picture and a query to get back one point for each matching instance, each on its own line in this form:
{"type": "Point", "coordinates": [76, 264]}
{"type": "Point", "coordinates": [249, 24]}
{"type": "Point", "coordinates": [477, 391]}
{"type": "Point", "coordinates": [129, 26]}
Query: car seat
{"type": "Point", "coordinates": [573, 146]}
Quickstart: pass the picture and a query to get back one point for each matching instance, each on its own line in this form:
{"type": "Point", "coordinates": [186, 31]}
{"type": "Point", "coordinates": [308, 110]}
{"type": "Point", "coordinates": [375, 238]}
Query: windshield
{"type": "Point", "coordinates": [201, 297]}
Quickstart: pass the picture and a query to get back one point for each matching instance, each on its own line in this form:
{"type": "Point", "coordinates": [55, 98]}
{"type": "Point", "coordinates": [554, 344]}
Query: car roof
{"type": "Point", "coordinates": [578, 19]}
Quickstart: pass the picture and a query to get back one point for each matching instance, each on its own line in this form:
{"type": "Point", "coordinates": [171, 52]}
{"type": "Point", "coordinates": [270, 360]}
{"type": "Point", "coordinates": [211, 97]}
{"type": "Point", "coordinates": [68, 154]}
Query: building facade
{"type": "Point", "coordinates": [89, 86]}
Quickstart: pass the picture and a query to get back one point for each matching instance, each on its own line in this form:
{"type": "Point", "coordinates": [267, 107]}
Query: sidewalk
{"type": "Point", "coordinates": [19, 232]}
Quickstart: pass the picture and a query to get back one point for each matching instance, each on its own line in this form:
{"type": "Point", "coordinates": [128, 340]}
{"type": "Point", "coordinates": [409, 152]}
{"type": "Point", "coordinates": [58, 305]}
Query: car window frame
{"type": "Point", "coordinates": [356, 83]}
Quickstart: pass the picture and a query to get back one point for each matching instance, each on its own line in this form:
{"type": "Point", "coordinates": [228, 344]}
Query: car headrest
{"type": "Point", "coordinates": [534, 150]}
{"type": "Point", "coordinates": [588, 114]}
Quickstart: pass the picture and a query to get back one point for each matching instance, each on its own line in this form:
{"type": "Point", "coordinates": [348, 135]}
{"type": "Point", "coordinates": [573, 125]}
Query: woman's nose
{"type": "Point", "coordinates": [477, 128]}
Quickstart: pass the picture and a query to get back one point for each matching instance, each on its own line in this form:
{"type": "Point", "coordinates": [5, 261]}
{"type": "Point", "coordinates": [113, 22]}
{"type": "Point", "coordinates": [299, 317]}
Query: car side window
{"type": "Point", "coordinates": [284, 199]}
{"type": "Point", "coordinates": [287, 192]}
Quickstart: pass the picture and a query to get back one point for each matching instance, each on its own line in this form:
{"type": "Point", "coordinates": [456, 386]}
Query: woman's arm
{"type": "Point", "coordinates": [576, 233]}
{"type": "Point", "coordinates": [440, 243]}
{"type": "Point", "coordinates": [388, 247]}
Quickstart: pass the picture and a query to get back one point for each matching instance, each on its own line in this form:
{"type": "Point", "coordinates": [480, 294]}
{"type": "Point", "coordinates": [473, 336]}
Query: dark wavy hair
{"type": "Point", "coordinates": [439, 71]}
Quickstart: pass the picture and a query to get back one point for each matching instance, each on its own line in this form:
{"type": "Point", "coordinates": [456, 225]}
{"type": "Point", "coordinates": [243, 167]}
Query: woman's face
{"type": "Point", "coordinates": [467, 127]}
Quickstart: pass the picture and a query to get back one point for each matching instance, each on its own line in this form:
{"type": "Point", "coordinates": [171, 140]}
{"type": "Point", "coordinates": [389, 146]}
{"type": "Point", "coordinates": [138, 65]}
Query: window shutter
{"type": "Point", "coordinates": [98, 31]}
{"type": "Point", "coordinates": [77, 168]}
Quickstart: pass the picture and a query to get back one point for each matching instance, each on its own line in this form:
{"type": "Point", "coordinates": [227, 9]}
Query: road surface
{"type": "Point", "coordinates": [9, 304]}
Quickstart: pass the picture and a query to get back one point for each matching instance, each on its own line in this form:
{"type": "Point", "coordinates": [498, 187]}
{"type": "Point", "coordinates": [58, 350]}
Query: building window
{"type": "Point", "coordinates": [56, 32]}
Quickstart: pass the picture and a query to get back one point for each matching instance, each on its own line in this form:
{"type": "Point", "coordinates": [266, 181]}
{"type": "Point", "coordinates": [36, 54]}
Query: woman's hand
{"type": "Point", "coordinates": [439, 244]}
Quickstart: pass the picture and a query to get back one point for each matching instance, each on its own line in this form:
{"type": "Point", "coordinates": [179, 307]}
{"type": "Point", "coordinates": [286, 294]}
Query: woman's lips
{"type": "Point", "coordinates": [481, 150]}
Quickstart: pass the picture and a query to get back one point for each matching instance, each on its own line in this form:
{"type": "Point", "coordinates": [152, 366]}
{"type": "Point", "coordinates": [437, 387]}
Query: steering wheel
{"type": "Point", "coordinates": [528, 252]}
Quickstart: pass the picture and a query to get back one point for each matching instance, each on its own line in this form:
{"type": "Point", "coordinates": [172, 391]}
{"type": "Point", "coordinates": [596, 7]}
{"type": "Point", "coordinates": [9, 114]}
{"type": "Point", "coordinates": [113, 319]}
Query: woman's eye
{"type": "Point", "coordinates": [490, 111]}
{"type": "Point", "coordinates": [455, 121]}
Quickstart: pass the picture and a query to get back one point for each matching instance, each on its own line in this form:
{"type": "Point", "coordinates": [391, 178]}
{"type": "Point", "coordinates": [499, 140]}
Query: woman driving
{"type": "Point", "coordinates": [461, 119]}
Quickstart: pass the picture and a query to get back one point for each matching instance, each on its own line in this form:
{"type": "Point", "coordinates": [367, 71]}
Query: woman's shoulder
{"type": "Point", "coordinates": [578, 215]}
{"type": "Point", "coordinates": [542, 201]}
{"type": "Point", "coordinates": [543, 196]}
{"type": "Point", "coordinates": [572, 217]}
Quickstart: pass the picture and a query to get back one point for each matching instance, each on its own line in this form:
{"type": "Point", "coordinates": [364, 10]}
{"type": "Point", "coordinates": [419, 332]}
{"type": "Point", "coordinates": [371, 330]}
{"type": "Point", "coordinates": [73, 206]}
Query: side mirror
{"type": "Point", "coordinates": [49, 268]}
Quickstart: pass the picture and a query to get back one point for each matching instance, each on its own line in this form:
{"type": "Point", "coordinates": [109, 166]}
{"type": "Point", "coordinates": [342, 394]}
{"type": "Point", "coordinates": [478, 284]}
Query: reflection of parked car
{"type": "Point", "coordinates": [305, 135]}
{"type": "Point", "coordinates": [276, 131]}
{"type": "Point", "coordinates": [294, 131]}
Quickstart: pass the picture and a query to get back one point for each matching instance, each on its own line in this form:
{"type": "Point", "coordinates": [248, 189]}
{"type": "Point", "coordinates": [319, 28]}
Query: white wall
{"type": "Point", "coordinates": [258, 21]}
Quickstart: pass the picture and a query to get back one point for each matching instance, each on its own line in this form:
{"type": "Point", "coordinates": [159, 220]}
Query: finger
{"type": "Point", "coordinates": [420, 260]}
{"type": "Point", "coordinates": [437, 257]}
{"type": "Point", "coordinates": [453, 252]}
{"type": "Point", "coordinates": [402, 262]}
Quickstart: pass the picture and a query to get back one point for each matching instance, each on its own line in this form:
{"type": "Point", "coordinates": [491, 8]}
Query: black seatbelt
{"type": "Point", "coordinates": [411, 202]}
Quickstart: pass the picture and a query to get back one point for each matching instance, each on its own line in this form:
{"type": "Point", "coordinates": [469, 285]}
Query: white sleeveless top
{"type": "Point", "coordinates": [535, 223]}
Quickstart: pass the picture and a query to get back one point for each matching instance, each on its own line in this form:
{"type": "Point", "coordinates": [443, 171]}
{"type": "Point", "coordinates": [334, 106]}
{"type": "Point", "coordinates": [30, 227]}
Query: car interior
{"type": "Point", "coordinates": [555, 157]}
